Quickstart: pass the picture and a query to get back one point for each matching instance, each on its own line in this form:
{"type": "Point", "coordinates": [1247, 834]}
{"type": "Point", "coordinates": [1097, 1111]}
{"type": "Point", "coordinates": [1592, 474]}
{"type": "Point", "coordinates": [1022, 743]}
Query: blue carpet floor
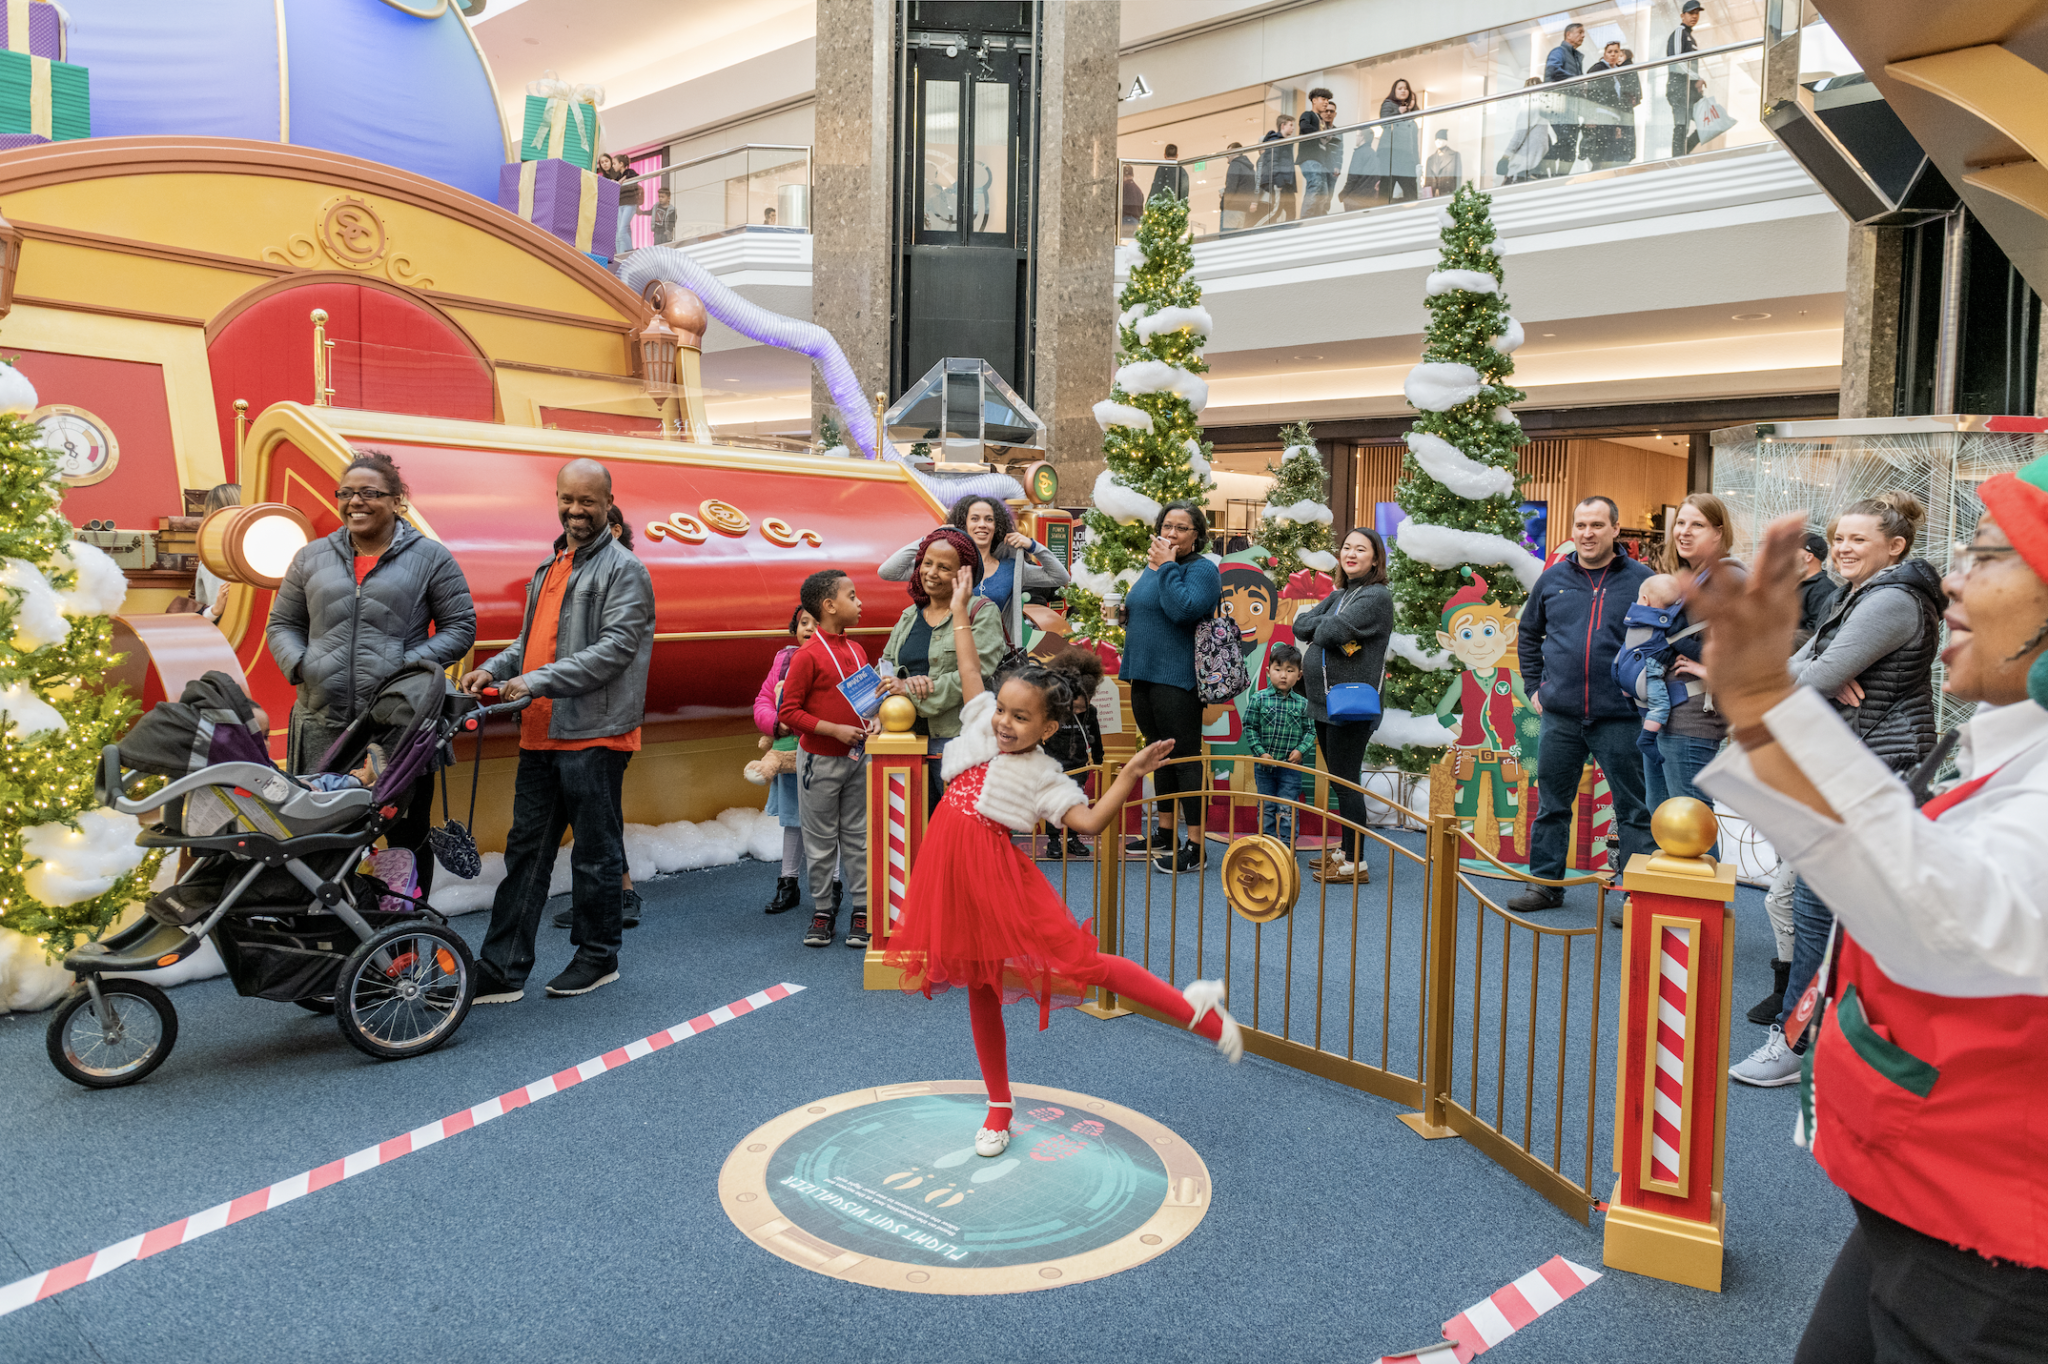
{"type": "Point", "coordinates": [587, 1226]}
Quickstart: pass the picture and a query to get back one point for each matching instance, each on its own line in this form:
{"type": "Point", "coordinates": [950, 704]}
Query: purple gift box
{"type": "Point", "coordinates": [9, 141]}
{"type": "Point", "coordinates": [557, 188]}
{"type": "Point", "coordinates": [45, 35]}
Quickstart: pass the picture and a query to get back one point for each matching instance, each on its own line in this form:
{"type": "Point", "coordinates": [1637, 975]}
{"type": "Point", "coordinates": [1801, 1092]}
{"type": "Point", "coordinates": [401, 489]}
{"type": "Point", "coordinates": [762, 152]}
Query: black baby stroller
{"type": "Point", "coordinates": [273, 881]}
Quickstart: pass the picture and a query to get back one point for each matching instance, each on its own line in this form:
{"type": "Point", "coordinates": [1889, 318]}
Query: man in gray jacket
{"type": "Point", "coordinates": [582, 657]}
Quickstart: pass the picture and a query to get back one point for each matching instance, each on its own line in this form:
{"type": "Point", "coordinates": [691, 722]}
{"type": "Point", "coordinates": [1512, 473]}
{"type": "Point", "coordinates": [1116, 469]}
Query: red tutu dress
{"type": "Point", "coordinates": [978, 911]}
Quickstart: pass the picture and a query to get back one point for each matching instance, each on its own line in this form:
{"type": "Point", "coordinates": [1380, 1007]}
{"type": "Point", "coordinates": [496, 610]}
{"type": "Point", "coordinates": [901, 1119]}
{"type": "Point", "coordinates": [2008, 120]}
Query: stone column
{"type": "Point", "coordinates": [1074, 351]}
{"type": "Point", "coordinates": [852, 179]}
{"type": "Point", "coordinates": [1870, 323]}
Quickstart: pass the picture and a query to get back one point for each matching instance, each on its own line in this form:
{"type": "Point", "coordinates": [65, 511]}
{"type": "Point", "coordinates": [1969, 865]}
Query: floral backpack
{"type": "Point", "coordinates": [1219, 661]}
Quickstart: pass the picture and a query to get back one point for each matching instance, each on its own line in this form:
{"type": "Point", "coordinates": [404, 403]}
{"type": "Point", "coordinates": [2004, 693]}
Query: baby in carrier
{"type": "Point", "coordinates": [1642, 664]}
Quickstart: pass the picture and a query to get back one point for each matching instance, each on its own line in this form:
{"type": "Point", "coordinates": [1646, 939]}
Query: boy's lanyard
{"type": "Point", "coordinates": [833, 654]}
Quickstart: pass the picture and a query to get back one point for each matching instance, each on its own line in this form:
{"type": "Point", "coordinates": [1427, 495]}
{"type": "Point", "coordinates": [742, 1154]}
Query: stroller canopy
{"type": "Point", "coordinates": [403, 718]}
{"type": "Point", "coordinates": [208, 724]}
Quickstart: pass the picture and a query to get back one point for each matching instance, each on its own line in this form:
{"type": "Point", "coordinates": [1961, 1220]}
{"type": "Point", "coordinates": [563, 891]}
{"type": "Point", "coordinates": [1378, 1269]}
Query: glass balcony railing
{"type": "Point", "coordinates": [1627, 116]}
{"type": "Point", "coordinates": [757, 185]}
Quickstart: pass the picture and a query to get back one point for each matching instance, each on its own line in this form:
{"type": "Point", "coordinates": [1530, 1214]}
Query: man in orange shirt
{"type": "Point", "coordinates": [582, 657]}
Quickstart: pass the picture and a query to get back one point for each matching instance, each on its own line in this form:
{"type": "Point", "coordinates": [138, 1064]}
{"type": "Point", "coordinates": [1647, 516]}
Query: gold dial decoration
{"type": "Point", "coordinates": [1042, 481]}
{"type": "Point", "coordinates": [352, 232]}
{"type": "Point", "coordinates": [1261, 879]}
{"type": "Point", "coordinates": [86, 449]}
{"type": "Point", "coordinates": [724, 517]}
{"type": "Point", "coordinates": [679, 526]}
{"type": "Point", "coordinates": [777, 531]}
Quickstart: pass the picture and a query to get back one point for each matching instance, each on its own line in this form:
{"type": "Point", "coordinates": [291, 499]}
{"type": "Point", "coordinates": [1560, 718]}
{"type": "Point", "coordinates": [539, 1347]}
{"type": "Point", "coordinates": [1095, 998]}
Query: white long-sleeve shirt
{"type": "Point", "coordinates": [1952, 906]}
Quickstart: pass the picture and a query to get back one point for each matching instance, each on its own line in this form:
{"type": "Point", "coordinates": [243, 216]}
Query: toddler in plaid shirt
{"type": "Point", "coordinates": [1277, 725]}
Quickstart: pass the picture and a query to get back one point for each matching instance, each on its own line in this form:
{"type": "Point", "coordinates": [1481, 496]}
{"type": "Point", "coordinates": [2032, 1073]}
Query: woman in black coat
{"type": "Point", "coordinates": [1344, 639]}
{"type": "Point", "coordinates": [354, 608]}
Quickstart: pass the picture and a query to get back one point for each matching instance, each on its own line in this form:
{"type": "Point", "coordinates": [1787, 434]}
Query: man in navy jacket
{"type": "Point", "coordinates": [1571, 629]}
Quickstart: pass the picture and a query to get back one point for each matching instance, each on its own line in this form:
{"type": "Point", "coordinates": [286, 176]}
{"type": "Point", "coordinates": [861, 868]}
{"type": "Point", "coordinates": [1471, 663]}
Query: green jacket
{"type": "Point", "coordinates": [941, 710]}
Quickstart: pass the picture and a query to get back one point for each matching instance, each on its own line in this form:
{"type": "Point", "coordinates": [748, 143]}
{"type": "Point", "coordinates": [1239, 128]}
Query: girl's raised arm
{"type": "Point", "coordinates": [964, 653]}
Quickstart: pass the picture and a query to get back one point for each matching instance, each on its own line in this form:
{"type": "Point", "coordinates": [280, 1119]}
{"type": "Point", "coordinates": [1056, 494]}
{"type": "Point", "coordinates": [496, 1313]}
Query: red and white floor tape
{"type": "Point", "coordinates": [1487, 1323]}
{"type": "Point", "coordinates": [51, 1282]}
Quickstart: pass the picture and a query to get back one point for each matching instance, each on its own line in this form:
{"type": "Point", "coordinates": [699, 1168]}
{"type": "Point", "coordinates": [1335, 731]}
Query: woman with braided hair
{"type": "Point", "coordinates": [919, 654]}
{"type": "Point", "coordinates": [979, 915]}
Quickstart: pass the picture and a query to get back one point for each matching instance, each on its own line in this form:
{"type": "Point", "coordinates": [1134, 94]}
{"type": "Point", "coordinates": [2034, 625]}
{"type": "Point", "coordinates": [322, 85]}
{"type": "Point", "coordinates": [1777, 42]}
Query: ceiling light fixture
{"type": "Point", "coordinates": [1750, 317]}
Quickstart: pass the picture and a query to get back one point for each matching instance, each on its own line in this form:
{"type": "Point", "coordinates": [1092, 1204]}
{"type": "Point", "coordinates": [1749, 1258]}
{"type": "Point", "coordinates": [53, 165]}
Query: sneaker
{"type": "Point", "coordinates": [1770, 1066]}
{"type": "Point", "coordinates": [1536, 899]}
{"type": "Point", "coordinates": [491, 990]}
{"type": "Point", "coordinates": [785, 897]}
{"type": "Point", "coordinates": [565, 918]}
{"type": "Point", "coordinates": [631, 909]}
{"type": "Point", "coordinates": [1205, 995]}
{"type": "Point", "coordinates": [857, 930]}
{"type": "Point", "coordinates": [1162, 840]}
{"type": "Point", "coordinates": [1765, 1011]}
{"type": "Point", "coordinates": [820, 934]}
{"type": "Point", "coordinates": [1077, 849]}
{"type": "Point", "coordinates": [580, 979]}
{"type": "Point", "coordinates": [1189, 858]}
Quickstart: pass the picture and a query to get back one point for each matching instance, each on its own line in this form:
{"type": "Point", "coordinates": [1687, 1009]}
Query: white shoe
{"type": "Point", "coordinates": [988, 1141]}
{"type": "Point", "coordinates": [1771, 1066]}
{"type": "Point", "coordinates": [1204, 995]}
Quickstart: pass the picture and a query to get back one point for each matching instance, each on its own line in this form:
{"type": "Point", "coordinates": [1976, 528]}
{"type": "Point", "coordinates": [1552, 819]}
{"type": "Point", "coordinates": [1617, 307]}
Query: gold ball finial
{"type": "Point", "coordinates": [898, 715]}
{"type": "Point", "coordinates": [1684, 827]}
{"type": "Point", "coordinates": [319, 315]}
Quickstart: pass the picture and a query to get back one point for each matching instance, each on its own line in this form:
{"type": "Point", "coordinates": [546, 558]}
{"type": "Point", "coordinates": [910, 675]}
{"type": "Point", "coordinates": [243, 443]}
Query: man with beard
{"type": "Point", "coordinates": [581, 657]}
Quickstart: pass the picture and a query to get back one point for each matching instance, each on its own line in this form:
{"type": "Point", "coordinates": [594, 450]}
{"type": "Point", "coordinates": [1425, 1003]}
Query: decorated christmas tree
{"type": "Point", "coordinates": [67, 866]}
{"type": "Point", "coordinates": [1296, 528]}
{"type": "Point", "coordinates": [1458, 478]}
{"type": "Point", "coordinates": [1152, 442]}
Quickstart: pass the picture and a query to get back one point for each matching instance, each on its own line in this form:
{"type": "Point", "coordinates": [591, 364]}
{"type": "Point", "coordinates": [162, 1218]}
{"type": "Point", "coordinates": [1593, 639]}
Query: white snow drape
{"type": "Point", "coordinates": [1456, 470]}
{"type": "Point", "coordinates": [1509, 339]}
{"type": "Point", "coordinates": [1196, 320]}
{"type": "Point", "coordinates": [1450, 281]}
{"type": "Point", "coordinates": [1156, 376]}
{"type": "Point", "coordinates": [1448, 547]}
{"type": "Point", "coordinates": [1110, 413]}
{"type": "Point", "coordinates": [1440, 385]}
{"type": "Point", "coordinates": [1410, 648]}
{"type": "Point", "coordinates": [1122, 503]}
{"type": "Point", "coordinates": [1399, 729]}
{"type": "Point", "coordinates": [1304, 512]}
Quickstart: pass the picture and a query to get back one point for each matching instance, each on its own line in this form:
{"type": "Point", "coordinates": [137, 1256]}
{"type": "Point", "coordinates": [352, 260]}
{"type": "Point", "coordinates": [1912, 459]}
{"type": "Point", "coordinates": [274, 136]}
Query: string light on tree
{"type": "Point", "coordinates": [1458, 484]}
{"type": "Point", "coordinates": [1151, 441]}
{"type": "Point", "coordinates": [67, 866]}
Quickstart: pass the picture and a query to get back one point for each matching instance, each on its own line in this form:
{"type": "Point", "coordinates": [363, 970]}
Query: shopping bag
{"type": "Point", "coordinates": [1710, 119]}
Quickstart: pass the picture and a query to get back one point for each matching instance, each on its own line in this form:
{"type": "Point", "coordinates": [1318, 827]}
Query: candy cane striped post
{"type": "Point", "coordinates": [1665, 1218]}
{"type": "Point", "coordinates": [1491, 1320]}
{"type": "Point", "coordinates": [897, 772]}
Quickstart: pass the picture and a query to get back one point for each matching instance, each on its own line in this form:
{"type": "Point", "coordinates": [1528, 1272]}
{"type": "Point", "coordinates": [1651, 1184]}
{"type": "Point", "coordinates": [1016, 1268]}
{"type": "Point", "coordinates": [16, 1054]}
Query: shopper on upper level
{"type": "Point", "coordinates": [1170, 180]}
{"type": "Point", "coordinates": [1240, 189]}
{"type": "Point", "coordinates": [1276, 172]}
{"type": "Point", "coordinates": [1320, 156]}
{"type": "Point", "coordinates": [1682, 83]}
{"type": "Point", "coordinates": [1566, 123]}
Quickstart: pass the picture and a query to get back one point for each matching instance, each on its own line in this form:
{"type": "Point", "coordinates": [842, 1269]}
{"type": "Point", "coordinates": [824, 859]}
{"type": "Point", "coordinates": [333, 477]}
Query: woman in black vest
{"type": "Point", "coordinates": [1873, 656]}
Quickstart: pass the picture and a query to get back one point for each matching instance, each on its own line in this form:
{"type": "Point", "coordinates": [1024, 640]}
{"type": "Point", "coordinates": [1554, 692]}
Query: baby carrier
{"type": "Point", "coordinates": [272, 879]}
{"type": "Point", "coordinates": [1648, 637]}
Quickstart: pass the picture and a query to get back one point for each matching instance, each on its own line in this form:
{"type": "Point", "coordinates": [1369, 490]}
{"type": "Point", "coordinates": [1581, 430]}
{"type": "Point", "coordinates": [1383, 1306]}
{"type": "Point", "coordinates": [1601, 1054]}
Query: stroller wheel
{"type": "Point", "coordinates": [316, 1004]}
{"type": "Point", "coordinates": [124, 1039]}
{"type": "Point", "coordinates": [405, 991]}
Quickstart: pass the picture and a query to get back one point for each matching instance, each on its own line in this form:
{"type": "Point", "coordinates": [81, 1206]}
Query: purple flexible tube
{"type": "Point", "coordinates": [650, 263]}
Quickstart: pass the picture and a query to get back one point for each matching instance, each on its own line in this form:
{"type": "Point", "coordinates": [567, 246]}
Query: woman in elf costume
{"type": "Point", "coordinates": [1925, 1086]}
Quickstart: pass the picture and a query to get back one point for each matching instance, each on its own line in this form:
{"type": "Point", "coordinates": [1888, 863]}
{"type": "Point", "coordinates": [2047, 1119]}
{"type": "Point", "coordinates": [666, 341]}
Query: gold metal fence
{"type": "Point", "coordinates": [1407, 982]}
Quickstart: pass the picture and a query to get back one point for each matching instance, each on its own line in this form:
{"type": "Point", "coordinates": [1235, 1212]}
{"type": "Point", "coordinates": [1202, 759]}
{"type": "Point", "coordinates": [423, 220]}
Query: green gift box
{"type": "Point", "coordinates": [47, 98]}
{"type": "Point", "coordinates": [559, 128]}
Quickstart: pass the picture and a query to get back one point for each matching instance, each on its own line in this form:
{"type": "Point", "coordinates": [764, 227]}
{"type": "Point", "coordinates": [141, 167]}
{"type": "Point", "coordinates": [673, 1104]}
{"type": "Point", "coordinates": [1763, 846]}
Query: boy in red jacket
{"type": "Point", "coordinates": [831, 794]}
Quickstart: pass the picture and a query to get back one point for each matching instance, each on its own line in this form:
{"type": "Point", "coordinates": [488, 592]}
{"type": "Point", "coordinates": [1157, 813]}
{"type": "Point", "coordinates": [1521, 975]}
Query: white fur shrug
{"type": "Point", "coordinates": [1021, 788]}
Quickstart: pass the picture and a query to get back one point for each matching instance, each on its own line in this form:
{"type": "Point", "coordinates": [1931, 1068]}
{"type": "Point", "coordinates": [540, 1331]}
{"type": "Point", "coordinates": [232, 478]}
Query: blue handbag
{"type": "Point", "coordinates": [1349, 703]}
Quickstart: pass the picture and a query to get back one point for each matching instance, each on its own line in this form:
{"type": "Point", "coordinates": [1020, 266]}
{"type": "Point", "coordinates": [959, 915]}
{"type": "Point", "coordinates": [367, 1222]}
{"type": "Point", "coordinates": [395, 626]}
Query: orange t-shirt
{"type": "Point", "coordinates": [540, 651]}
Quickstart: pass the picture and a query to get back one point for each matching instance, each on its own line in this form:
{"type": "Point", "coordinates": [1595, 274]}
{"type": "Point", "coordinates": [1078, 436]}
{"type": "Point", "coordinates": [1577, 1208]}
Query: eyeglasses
{"type": "Point", "coordinates": [343, 495]}
{"type": "Point", "coordinates": [1966, 559]}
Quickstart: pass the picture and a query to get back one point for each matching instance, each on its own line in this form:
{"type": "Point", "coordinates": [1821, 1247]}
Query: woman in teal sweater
{"type": "Point", "coordinates": [1177, 591]}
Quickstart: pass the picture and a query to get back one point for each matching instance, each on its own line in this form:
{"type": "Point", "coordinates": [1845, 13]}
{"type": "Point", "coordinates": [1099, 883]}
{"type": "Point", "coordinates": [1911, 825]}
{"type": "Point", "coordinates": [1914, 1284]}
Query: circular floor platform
{"type": "Point", "coordinates": [882, 1187]}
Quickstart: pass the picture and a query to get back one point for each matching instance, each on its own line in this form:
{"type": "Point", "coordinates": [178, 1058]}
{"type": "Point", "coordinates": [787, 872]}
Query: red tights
{"type": "Point", "coordinates": [991, 1046]}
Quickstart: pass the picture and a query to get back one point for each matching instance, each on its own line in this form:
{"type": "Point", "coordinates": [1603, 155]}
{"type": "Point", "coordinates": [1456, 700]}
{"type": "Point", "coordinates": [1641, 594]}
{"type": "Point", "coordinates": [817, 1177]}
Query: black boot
{"type": "Point", "coordinates": [1765, 1011]}
{"type": "Point", "coordinates": [785, 897]}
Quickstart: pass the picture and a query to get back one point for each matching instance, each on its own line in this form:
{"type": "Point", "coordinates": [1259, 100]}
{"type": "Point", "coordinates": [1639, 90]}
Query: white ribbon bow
{"type": "Point", "coordinates": [559, 92]}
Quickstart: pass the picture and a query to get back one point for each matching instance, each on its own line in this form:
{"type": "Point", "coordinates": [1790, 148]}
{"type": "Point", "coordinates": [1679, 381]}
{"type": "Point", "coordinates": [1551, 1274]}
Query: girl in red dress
{"type": "Point", "coordinates": [979, 916]}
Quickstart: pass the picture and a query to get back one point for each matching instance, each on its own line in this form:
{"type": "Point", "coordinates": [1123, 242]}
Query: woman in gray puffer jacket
{"type": "Point", "coordinates": [354, 608]}
{"type": "Point", "coordinates": [1344, 638]}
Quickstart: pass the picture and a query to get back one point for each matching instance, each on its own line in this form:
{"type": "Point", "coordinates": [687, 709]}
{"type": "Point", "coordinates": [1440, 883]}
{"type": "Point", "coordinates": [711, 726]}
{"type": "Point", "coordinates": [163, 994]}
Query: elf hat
{"type": "Point", "coordinates": [1471, 595]}
{"type": "Point", "coordinates": [2020, 502]}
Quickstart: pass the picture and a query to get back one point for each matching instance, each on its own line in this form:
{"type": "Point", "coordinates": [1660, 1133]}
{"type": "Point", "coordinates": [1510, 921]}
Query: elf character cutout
{"type": "Point", "coordinates": [1488, 697]}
